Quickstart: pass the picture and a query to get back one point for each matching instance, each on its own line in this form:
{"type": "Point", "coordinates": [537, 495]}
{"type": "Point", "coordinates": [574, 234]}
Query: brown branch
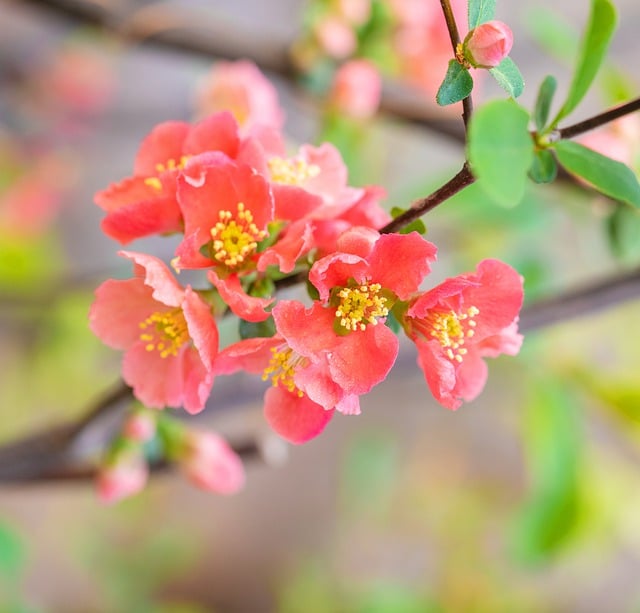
{"type": "Point", "coordinates": [599, 120]}
{"type": "Point", "coordinates": [422, 206]}
{"type": "Point", "coordinates": [452, 27]}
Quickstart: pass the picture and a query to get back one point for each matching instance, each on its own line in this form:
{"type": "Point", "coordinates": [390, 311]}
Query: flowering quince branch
{"type": "Point", "coordinates": [251, 217]}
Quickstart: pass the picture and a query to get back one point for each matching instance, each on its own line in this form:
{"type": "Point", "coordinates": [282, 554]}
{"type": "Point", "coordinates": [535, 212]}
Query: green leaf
{"type": "Point", "coordinates": [416, 225]}
{"type": "Point", "coordinates": [11, 552]}
{"type": "Point", "coordinates": [553, 452]}
{"type": "Point", "coordinates": [250, 329]}
{"type": "Point", "coordinates": [543, 102]}
{"type": "Point", "coordinates": [544, 168]}
{"type": "Point", "coordinates": [623, 231]}
{"type": "Point", "coordinates": [602, 23]}
{"type": "Point", "coordinates": [508, 76]}
{"type": "Point", "coordinates": [480, 11]}
{"type": "Point", "coordinates": [457, 85]}
{"type": "Point", "coordinates": [500, 150]}
{"type": "Point", "coordinates": [612, 178]}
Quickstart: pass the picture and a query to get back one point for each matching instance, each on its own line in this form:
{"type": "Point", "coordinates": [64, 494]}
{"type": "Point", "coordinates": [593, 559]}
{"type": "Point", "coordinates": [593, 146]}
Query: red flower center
{"type": "Point", "coordinates": [360, 306]}
{"type": "Point", "coordinates": [235, 237]}
{"type": "Point", "coordinates": [165, 332]}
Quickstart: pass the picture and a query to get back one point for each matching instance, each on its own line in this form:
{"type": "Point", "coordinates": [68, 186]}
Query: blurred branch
{"type": "Point", "coordinates": [581, 302]}
{"type": "Point", "coordinates": [166, 27]}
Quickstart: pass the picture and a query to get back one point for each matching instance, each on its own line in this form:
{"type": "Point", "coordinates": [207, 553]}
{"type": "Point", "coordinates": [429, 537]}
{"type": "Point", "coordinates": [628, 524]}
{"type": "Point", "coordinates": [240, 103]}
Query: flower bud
{"type": "Point", "coordinates": [210, 464]}
{"type": "Point", "coordinates": [356, 89]}
{"type": "Point", "coordinates": [488, 44]}
{"type": "Point", "coordinates": [121, 478]}
{"type": "Point", "coordinates": [139, 427]}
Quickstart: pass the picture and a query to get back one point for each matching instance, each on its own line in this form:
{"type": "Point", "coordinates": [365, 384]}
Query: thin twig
{"type": "Point", "coordinates": [599, 120]}
{"type": "Point", "coordinates": [422, 206]}
{"type": "Point", "coordinates": [454, 35]}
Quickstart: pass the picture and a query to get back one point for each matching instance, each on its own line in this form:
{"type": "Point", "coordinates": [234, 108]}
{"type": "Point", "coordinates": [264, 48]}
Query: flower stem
{"type": "Point", "coordinates": [454, 35]}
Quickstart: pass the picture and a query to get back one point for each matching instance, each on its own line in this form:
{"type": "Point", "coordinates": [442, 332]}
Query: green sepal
{"type": "Point", "coordinates": [508, 76]}
{"type": "Point", "coordinates": [543, 102]}
{"type": "Point", "coordinates": [612, 178]}
{"type": "Point", "coordinates": [417, 225]}
{"type": "Point", "coordinates": [544, 168]}
{"type": "Point", "coordinates": [457, 84]}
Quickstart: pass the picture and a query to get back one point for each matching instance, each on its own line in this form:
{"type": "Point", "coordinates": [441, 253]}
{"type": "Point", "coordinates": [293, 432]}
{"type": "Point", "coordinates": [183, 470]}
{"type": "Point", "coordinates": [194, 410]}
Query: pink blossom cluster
{"type": "Point", "coordinates": [250, 215]}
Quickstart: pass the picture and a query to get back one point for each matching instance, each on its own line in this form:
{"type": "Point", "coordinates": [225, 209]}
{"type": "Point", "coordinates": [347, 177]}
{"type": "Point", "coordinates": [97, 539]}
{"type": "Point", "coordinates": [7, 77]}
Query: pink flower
{"type": "Point", "coordinates": [488, 44]}
{"type": "Point", "coordinates": [227, 208]}
{"type": "Point", "coordinates": [123, 477]}
{"type": "Point", "coordinates": [240, 87]}
{"type": "Point", "coordinates": [356, 89]}
{"type": "Point", "coordinates": [145, 203]}
{"type": "Point", "coordinates": [288, 410]}
{"type": "Point", "coordinates": [210, 464]}
{"type": "Point", "coordinates": [168, 332]}
{"type": "Point", "coordinates": [459, 322]}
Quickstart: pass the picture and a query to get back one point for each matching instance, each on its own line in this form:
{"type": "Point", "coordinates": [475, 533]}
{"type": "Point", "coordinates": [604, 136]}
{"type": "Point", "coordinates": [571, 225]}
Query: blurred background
{"type": "Point", "coordinates": [526, 499]}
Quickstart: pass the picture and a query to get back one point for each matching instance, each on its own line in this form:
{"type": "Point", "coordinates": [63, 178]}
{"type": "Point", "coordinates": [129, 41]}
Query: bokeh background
{"type": "Point", "coordinates": [527, 499]}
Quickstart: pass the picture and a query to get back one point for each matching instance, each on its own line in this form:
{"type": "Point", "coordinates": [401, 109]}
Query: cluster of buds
{"type": "Point", "coordinates": [250, 214]}
{"type": "Point", "coordinates": [203, 456]}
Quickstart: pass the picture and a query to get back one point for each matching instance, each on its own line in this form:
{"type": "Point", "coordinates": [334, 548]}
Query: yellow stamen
{"type": "Point", "coordinates": [154, 183]}
{"type": "Point", "coordinates": [360, 306]}
{"type": "Point", "coordinates": [235, 237]}
{"type": "Point", "coordinates": [291, 172]}
{"type": "Point", "coordinates": [451, 329]}
{"type": "Point", "coordinates": [281, 369]}
{"type": "Point", "coordinates": [172, 164]}
{"type": "Point", "coordinates": [165, 332]}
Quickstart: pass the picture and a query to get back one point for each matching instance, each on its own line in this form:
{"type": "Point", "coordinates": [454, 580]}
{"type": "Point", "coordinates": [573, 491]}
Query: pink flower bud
{"type": "Point", "coordinates": [139, 427]}
{"type": "Point", "coordinates": [336, 37]}
{"type": "Point", "coordinates": [356, 89]}
{"type": "Point", "coordinates": [488, 44]}
{"type": "Point", "coordinates": [210, 464]}
{"type": "Point", "coordinates": [122, 478]}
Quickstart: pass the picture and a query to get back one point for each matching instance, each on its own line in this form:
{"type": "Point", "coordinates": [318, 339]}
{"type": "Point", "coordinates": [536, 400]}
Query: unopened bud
{"type": "Point", "coordinates": [122, 478]}
{"type": "Point", "coordinates": [488, 44]}
{"type": "Point", "coordinates": [356, 89]}
{"type": "Point", "coordinates": [210, 463]}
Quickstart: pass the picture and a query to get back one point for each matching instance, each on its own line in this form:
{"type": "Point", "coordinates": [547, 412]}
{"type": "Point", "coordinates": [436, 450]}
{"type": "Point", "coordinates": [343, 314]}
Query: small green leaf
{"type": "Point", "coordinates": [417, 225]}
{"type": "Point", "coordinates": [543, 102]}
{"type": "Point", "coordinates": [602, 23]}
{"type": "Point", "coordinates": [500, 150]}
{"type": "Point", "coordinates": [544, 168]}
{"type": "Point", "coordinates": [457, 85]}
{"type": "Point", "coordinates": [250, 329]}
{"type": "Point", "coordinates": [508, 76]}
{"type": "Point", "coordinates": [480, 11]}
{"type": "Point", "coordinates": [612, 178]}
